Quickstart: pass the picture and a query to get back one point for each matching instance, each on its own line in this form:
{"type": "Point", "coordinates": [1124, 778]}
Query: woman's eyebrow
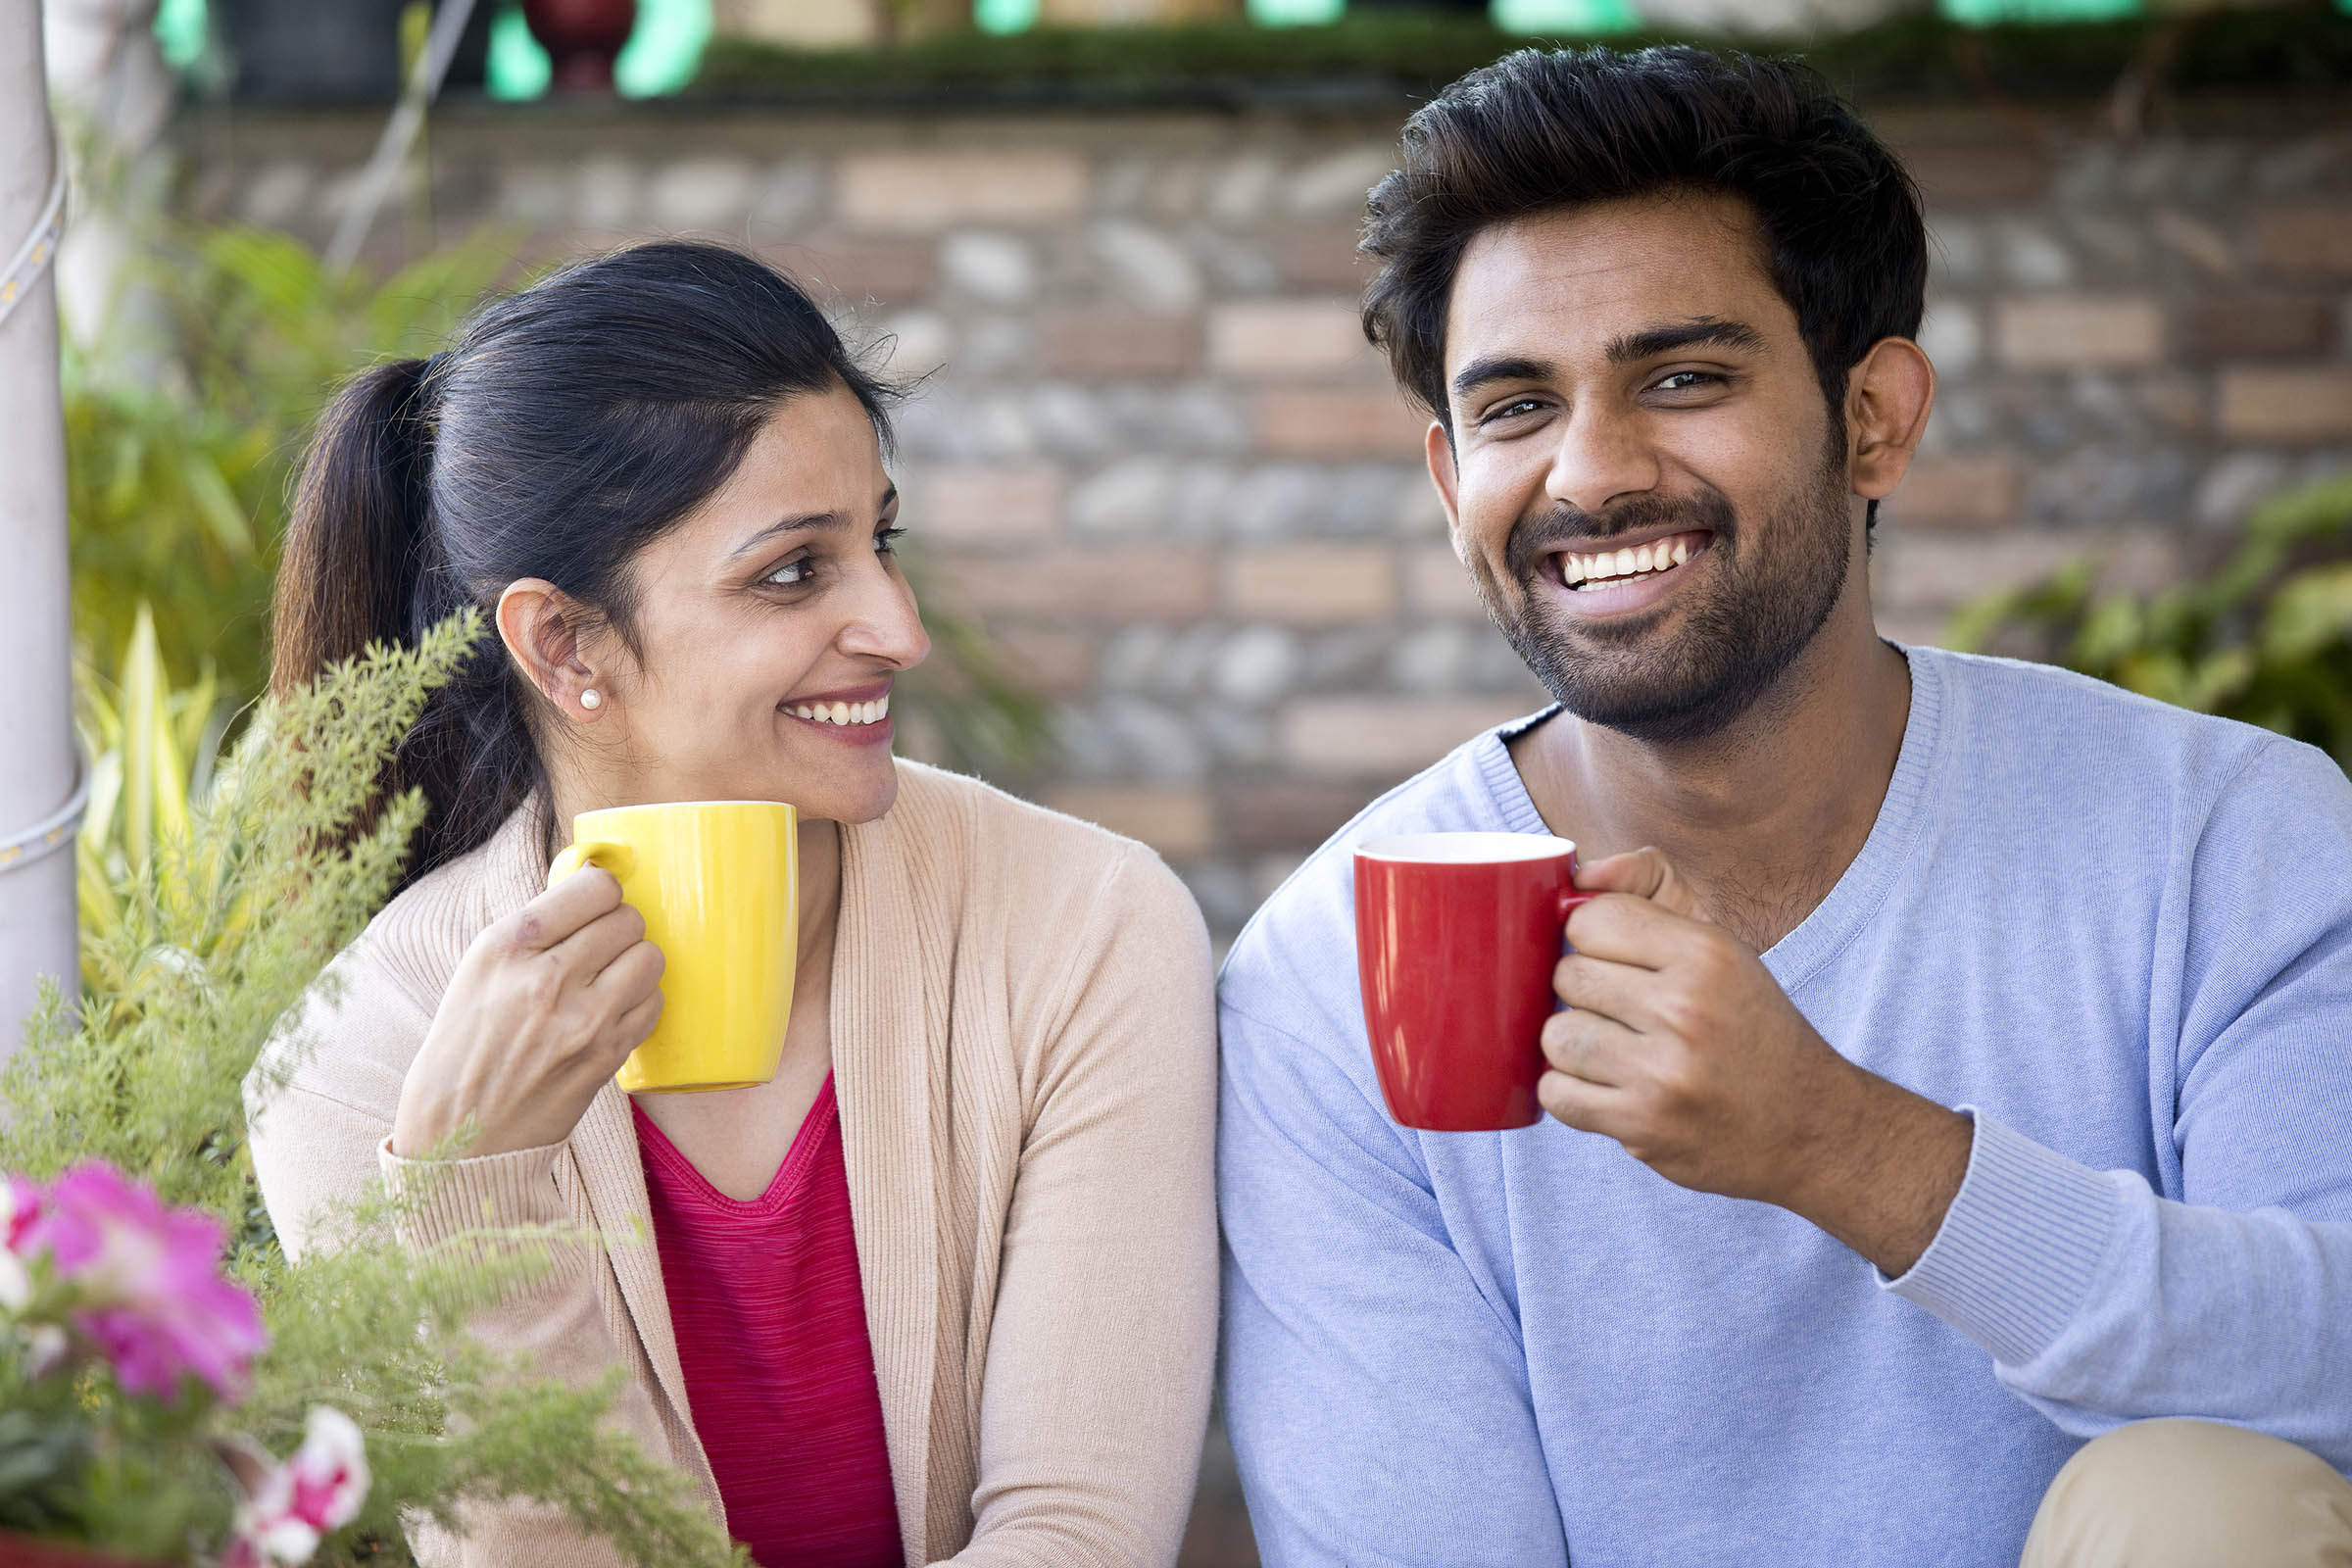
{"type": "Point", "coordinates": [812, 519]}
{"type": "Point", "coordinates": [1708, 332]}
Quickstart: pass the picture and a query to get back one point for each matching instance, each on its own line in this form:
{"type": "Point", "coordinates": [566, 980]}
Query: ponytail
{"type": "Point", "coordinates": [348, 571]}
{"type": "Point", "coordinates": [361, 564]}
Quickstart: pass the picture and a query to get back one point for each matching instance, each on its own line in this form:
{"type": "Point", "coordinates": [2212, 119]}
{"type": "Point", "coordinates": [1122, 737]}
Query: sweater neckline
{"type": "Point", "coordinates": [1846, 908]}
{"type": "Point", "coordinates": [791, 1175]}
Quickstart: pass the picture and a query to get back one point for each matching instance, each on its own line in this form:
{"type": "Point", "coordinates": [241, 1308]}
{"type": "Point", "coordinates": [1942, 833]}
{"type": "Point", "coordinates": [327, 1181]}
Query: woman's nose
{"type": "Point", "coordinates": [886, 624]}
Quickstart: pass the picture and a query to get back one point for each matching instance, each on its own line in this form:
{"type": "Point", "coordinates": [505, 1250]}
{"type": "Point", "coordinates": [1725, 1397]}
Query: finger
{"type": "Point", "coordinates": [1588, 1046]}
{"type": "Point", "coordinates": [1624, 929]}
{"type": "Point", "coordinates": [629, 977]}
{"type": "Point", "coordinates": [1582, 1104]}
{"type": "Point", "coordinates": [1645, 873]}
{"type": "Point", "coordinates": [563, 909]}
{"type": "Point", "coordinates": [632, 1028]}
{"type": "Point", "coordinates": [586, 952]}
{"type": "Point", "coordinates": [1616, 991]}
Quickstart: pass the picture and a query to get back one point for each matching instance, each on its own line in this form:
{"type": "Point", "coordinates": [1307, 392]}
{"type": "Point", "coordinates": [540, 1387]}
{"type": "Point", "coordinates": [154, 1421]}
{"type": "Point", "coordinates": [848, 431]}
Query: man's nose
{"type": "Point", "coordinates": [1602, 459]}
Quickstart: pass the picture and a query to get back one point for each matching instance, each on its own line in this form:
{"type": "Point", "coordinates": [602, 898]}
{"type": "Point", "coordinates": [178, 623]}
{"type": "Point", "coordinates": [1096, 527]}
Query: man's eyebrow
{"type": "Point", "coordinates": [1499, 367]}
{"type": "Point", "coordinates": [1708, 332]}
{"type": "Point", "coordinates": [784, 525]}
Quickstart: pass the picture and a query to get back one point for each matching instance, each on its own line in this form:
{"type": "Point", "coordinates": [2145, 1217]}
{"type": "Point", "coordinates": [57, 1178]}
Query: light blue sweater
{"type": "Point", "coordinates": [2120, 933]}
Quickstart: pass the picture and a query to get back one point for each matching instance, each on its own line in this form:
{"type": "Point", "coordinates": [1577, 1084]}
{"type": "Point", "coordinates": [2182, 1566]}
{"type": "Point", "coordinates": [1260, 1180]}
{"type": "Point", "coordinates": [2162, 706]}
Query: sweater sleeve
{"type": "Point", "coordinates": [1095, 1391]}
{"type": "Point", "coordinates": [2102, 1301]}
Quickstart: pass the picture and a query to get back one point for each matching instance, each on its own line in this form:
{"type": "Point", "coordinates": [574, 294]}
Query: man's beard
{"type": "Point", "coordinates": [1733, 645]}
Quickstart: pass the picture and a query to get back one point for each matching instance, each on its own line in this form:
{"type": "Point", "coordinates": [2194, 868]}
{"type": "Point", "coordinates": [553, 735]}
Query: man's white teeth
{"type": "Point", "coordinates": [872, 712]}
{"type": "Point", "coordinates": [1607, 564]}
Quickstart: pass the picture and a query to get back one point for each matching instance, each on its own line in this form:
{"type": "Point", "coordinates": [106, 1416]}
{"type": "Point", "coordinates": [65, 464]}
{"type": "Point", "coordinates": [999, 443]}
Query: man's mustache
{"type": "Point", "coordinates": [1566, 527]}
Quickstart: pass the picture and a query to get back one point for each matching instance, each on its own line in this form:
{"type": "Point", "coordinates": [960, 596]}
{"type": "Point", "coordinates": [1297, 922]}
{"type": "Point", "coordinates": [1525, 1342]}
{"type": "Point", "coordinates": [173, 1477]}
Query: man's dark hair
{"type": "Point", "coordinates": [1539, 131]}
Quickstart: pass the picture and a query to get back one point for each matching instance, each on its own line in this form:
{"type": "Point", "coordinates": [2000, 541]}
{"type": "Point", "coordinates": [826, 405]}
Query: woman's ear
{"type": "Point", "coordinates": [1886, 402]}
{"type": "Point", "coordinates": [538, 621]}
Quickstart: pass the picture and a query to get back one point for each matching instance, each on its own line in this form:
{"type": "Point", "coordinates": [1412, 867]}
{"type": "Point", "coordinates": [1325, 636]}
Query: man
{"type": "Point", "coordinates": [1956, 1066]}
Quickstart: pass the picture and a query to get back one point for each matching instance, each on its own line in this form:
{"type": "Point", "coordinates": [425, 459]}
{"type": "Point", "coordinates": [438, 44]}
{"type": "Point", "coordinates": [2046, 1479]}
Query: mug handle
{"type": "Point", "coordinates": [613, 858]}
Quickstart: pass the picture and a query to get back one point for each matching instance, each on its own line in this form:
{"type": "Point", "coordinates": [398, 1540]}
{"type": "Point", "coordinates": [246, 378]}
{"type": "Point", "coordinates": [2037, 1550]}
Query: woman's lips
{"type": "Point", "coordinates": [860, 717]}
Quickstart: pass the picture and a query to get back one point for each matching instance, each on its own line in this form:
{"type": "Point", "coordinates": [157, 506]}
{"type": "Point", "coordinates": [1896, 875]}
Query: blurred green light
{"type": "Point", "coordinates": [518, 68]}
{"type": "Point", "coordinates": [1019, 15]}
{"type": "Point", "coordinates": [665, 50]}
{"type": "Point", "coordinates": [179, 31]}
{"type": "Point", "coordinates": [1984, 13]}
{"type": "Point", "coordinates": [1295, 13]}
{"type": "Point", "coordinates": [1567, 17]}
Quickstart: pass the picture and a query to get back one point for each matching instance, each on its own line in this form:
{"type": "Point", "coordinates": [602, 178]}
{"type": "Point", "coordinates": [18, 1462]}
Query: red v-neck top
{"type": "Point", "coordinates": [771, 1335]}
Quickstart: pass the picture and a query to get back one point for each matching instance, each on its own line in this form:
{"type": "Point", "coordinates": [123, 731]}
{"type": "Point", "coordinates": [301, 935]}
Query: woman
{"type": "Point", "coordinates": [945, 1287]}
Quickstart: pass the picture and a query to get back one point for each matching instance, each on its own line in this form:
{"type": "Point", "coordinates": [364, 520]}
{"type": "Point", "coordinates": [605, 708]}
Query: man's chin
{"type": "Point", "coordinates": [1624, 675]}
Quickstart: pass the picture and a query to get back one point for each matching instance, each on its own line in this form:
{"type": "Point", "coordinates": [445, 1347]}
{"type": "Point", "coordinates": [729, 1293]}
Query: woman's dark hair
{"type": "Point", "coordinates": [572, 424]}
{"type": "Point", "coordinates": [1540, 130]}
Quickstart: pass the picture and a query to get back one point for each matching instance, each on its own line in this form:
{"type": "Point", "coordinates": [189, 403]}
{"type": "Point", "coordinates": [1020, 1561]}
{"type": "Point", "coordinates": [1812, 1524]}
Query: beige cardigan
{"type": "Point", "coordinates": [1024, 1056]}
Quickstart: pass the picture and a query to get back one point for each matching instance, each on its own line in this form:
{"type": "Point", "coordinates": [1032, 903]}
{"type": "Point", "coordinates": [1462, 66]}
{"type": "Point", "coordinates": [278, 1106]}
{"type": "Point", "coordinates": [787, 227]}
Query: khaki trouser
{"type": "Point", "coordinates": [2192, 1495]}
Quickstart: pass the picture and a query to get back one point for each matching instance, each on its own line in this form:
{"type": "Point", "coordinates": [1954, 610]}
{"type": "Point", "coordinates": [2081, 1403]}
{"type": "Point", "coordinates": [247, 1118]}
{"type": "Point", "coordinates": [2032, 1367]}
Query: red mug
{"type": "Point", "coordinates": [1456, 937]}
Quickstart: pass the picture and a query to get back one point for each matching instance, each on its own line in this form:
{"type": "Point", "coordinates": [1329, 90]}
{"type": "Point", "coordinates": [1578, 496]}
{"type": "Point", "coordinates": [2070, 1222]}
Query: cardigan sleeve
{"type": "Point", "coordinates": [1095, 1392]}
{"type": "Point", "coordinates": [318, 1136]}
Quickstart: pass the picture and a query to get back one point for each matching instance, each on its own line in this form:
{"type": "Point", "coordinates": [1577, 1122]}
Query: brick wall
{"type": "Point", "coordinates": [1155, 456]}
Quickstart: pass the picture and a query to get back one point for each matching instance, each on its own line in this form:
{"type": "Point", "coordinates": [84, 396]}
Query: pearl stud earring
{"type": "Point", "coordinates": [590, 700]}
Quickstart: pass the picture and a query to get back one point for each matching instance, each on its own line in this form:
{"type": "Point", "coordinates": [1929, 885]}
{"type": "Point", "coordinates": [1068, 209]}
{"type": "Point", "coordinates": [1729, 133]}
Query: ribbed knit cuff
{"type": "Point", "coordinates": [441, 1199]}
{"type": "Point", "coordinates": [2016, 1250]}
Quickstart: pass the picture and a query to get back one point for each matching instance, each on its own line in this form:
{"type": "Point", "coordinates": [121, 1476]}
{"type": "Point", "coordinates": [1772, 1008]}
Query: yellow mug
{"type": "Point", "coordinates": [719, 885]}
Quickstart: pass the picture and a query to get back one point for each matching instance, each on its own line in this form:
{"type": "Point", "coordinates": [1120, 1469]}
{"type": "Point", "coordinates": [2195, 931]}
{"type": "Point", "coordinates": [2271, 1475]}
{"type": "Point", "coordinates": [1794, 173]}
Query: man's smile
{"type": "Point", "coordinates": [1626, 576]}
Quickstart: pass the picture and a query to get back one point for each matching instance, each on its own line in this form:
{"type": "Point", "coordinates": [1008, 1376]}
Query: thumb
{"type": "Point", "coordinates": [1645, 873]}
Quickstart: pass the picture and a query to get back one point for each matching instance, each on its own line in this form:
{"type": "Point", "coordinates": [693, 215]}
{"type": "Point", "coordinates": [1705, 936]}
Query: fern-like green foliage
{"type": "Point", "coordinates": [2265, 637]}
{"type": "Point", "coordinates": [220, 928]}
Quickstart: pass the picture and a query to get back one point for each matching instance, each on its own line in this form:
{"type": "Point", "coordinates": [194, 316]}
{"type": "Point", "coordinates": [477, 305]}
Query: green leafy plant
{"type": "Point", "coordinates": [2265, 637]}
{"type": "Point", "coordinates": [180, 452]}
{"type": "Point", "coordinates": [153, 747]}
{"type": "Point", "coordinates": [147, 1076]}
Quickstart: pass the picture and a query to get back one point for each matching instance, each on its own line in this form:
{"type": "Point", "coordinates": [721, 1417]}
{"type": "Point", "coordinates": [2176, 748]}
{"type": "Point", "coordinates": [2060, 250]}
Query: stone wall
{"type": "Point", "coordinates": [1155, 456]}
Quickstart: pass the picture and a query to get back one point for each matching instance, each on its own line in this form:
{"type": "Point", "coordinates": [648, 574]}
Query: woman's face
{"type": "Point", "coordinates": [769, 625]}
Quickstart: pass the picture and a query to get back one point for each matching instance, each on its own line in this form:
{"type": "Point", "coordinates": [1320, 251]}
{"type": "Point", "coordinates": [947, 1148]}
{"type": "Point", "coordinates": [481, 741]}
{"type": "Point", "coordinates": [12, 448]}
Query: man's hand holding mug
{"type": "Point", "coordinates": [1677, 1042]}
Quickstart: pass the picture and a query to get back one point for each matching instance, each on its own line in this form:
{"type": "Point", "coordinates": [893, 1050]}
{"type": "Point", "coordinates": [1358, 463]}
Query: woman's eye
{"type": "Point", "coordinates": [886, 541]}
{"type": "Point", "coordinates": [791, 574]}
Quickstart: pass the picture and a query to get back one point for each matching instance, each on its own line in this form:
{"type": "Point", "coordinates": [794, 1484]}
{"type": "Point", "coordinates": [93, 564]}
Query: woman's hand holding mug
{"type": "Point", "coordinates": [544, 1007]}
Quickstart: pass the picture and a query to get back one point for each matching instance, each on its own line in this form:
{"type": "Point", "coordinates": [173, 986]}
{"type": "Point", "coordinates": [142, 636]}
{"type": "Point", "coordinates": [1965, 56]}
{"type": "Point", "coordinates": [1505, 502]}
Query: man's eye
{"type": "Point", "coordinates": [1504, 411]}
{"type": "Point", "coordinates": [791, 574]}
{"type": "Point", "coordinates": [1692, 381]}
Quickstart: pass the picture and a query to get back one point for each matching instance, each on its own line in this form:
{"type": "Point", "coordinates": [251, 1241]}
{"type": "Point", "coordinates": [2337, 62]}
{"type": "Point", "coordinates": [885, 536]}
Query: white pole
{"type": "Point", "coordinates": [39, 780]}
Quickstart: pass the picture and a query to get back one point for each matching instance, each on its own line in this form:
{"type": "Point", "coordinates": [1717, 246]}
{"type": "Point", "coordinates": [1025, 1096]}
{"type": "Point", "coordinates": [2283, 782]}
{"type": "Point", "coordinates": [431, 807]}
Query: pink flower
{"type": "Point", "coordinates": [295, 1506]}
{"type": "Point", "coordinates": [19, 1202]}
{"type": "Point", "coordinates": [19, 1207]}
{"type": "Point", "coordinates": [156, 1303]}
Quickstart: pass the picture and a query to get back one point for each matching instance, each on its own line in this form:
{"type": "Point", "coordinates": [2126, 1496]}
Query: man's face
{"type": "Point", "coordinates": [1644, 478]}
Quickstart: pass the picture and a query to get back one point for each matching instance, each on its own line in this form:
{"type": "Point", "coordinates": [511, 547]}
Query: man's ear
{"type": "Point", "coordinates": [1888, 397]}
{"type": "Point", "coordinates": [1437, 446]}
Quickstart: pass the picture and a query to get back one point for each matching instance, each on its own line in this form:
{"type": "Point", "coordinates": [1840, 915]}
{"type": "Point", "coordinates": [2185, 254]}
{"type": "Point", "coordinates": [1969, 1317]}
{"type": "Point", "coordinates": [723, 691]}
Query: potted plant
{"type": "Point", "coordinates": [163, 1362]}
{"type": "Point", "coordinates": [124, 1354]}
